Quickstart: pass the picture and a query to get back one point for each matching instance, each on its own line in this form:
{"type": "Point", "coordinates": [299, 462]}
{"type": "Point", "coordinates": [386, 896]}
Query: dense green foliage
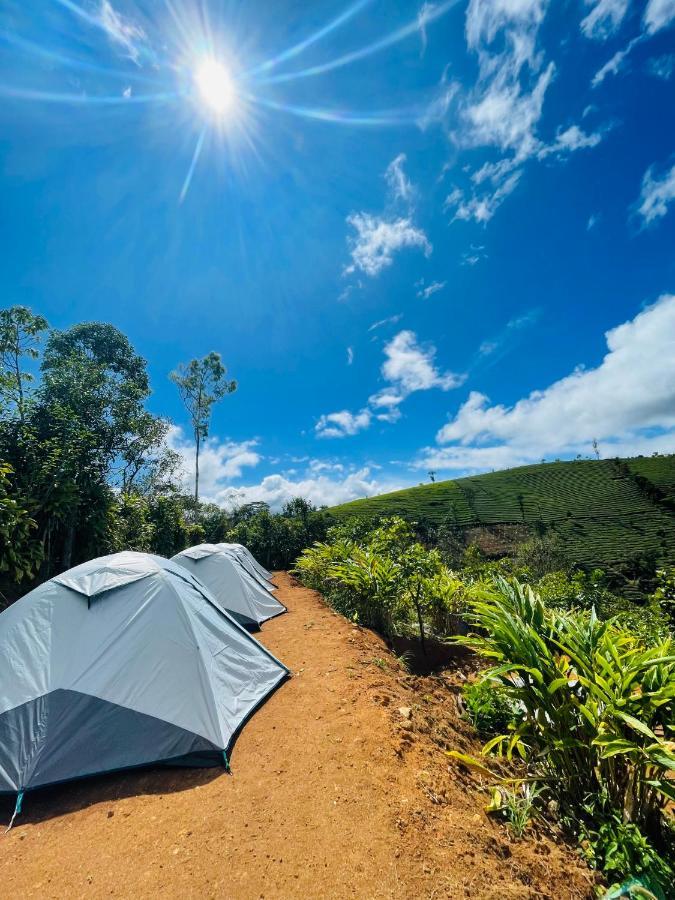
{"type": "Point", "coordinates": [596, 721]}
{"type": "Point", "coordinates": [605, 512]}
{"type": "Point", "coordinates": [581, 689]}
{"type": "Point", "coordinates": [85, 468]}
{"type": "Point", "coordinates": [385, 579]}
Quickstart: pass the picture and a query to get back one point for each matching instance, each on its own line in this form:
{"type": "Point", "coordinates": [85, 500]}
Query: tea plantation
{"type": "Point", "coordinates": [604, 510]}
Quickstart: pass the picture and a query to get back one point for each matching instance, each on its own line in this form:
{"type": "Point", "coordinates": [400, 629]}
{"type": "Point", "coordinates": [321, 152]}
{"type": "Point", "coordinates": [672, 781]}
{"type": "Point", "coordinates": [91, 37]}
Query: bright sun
{"type": "Point", "coordinates": [215, 86]}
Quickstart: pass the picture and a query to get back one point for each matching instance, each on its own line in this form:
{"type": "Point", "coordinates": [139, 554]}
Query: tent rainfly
{"type": "Point", "coordinates": [123, 661]}
{"type": "Point", "coordinates": [233, 587]}
{"type": "Point", "coordinates": [249, 561]}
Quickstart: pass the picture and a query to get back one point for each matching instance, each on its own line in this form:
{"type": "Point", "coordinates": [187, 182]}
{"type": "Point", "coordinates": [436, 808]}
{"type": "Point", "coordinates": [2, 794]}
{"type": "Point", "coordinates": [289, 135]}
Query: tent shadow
{"type": "Point", "coordinates": [57, 800]}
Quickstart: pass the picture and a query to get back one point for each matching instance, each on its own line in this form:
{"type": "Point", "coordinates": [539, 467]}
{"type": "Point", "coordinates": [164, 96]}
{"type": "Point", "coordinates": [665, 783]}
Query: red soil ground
{"type": "Point", "coordinates": [335, 793]}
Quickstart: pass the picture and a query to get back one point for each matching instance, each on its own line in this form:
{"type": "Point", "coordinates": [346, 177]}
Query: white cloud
{"type": "Point", "coordinates": [662, 66]}
{"type": "Point", "coordinates": [627, 401]}
{"type": "Point", "coordinates": [604, 19]}
{"type": "Point", "coordinates": [408, 367]}
{"type": "Point", "coordinates": [121, 31]}
{"type": "Point", "coordinates": [411, 366]}
{"type": "Point", "coordinates": [219, 461]}
{"type": "Point", "coordinates": [391, 320]}
{"type": "Point", "coordinates": [350, 355]}
{"type": "Point", "coordinates": [424, 15]}
{"type": "Point", "coordinates": [481, 206]}
{"type": "Point", "coordinates": [425, 292]}
{"type": "Point", "coordinates": [343, 423]}
{"type": "Point", "coordinates": [593, 220]}
{"type": "Point", "coordinates": [656, 195]}
{"type": "Point", "coordinates": [617, 62]}
{"type": "Point", "coordinates": [377, 240]}
{"type": "Point", "coordinates": [659, 14]}
{"type": "Point", "coordinates": [399, 184]}
{"type": "Point", "coordinates": [319, 488]}
{"type": "Point", "coordinates": [571, 139]}
{"type": "Point", "coordinates": [507, 117]}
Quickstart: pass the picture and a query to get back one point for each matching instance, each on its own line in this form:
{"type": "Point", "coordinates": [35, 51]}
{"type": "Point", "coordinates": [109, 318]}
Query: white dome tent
{"type": "Point", "coordinates": [123, 661]}
{"type": "Point", "coordinates": [235, 589]}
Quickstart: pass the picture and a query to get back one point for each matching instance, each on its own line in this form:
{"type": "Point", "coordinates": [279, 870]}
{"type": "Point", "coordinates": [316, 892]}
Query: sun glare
{"type": "Point", "coordinates": [215, 87]}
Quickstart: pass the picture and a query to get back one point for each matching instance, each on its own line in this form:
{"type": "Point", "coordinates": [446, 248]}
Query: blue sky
{"type": "Point", "coordinates": [422, 236]}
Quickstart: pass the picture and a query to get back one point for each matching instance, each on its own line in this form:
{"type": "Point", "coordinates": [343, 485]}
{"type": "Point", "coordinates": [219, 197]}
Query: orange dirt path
{"type": "Point", "coordinates": [334, 793]}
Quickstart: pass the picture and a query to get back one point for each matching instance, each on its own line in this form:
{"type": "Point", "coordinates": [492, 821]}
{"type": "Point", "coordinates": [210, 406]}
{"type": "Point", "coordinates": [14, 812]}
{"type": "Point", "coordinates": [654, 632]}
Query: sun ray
{"type": "Point", "coordinates": [299, 48]}
{"type": "Point", "coordinates": [387, 41]}
{"type": "Point", "coordinates": [193, 165]}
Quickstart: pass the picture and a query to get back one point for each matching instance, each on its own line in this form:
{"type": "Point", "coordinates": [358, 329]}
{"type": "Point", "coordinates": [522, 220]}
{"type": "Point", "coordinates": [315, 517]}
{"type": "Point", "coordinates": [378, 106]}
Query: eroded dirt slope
{"type": "Point", "coordinates": [335, 793]}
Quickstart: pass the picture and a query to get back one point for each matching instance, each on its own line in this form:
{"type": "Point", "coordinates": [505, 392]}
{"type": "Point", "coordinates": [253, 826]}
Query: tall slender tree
{"type": "Point", "coordinates": [20, 333]}
{"type": "Point", "coordinates": [201, 384]}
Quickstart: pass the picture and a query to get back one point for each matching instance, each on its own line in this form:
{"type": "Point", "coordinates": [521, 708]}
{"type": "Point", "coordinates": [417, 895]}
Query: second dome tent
{"type": "Point", "coordinates": [234, 588]}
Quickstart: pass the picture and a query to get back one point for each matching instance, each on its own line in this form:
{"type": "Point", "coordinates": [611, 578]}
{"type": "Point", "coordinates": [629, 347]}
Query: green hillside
{"type": "Point", "coordinates": [604, 510]}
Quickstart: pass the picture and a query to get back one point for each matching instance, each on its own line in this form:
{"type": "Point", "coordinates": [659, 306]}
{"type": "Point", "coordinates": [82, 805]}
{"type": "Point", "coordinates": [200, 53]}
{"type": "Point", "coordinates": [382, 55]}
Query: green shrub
{"type": "Point", "coordinates": [489, 707]}
{"type": "Point", "coordinates": [598, 707]}
{"type": "Point", "coordinates": [620, 851]}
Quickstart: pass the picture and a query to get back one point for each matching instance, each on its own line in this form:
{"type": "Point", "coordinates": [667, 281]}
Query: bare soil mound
{"type": "Point", "coordinates": [340, 788]}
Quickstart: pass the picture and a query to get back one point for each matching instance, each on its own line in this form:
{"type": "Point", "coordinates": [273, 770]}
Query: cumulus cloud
{"type": "Point", "coordinates": [656, 195]}
{"type": "Point", "coordinates": [219, 461]}
{"type": "Point", "coordinates": [408, 367]}
{"type": "Point", "coordinates": [316, 485]}
{"type": "Point", "coordinates": [626, 402]}
{"type": "Point", "coordinates": [343, 423]}
{"type": "Point", "coordinates": [377, 240]}
{"type": "Point", "coordinates": [121, 31]}
{"type": "Point", "coordinates": [604, 18]}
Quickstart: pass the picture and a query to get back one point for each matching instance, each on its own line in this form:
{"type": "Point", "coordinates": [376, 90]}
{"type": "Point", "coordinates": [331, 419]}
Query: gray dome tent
{"type": "Point", "coordinates": [243, 596]}
{"type": "Point", "coordinates": [123, 661]}
{"type": "Point", "coordinates": [248, 560]}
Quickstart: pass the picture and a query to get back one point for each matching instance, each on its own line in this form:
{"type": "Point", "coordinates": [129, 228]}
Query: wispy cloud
{"type": "Point", "coordinates": [662, 66]}
{"type": "Point", "coordinates": [424, 16]}
{"type": "Point", "coordinates": [350, 355]}
{"type": "Point", "coordinates": [604, 19]}
{"type": "Point", "coordinates": [390, 320]}
{"type": "Point", "coordinates": [659, 14]}
{"type": "Point", "coordinates": [628, 400]}
{"type": "Point", "coordinates": [122, 31]}
{"type": "Point", "coordinates": [424, 292]}
{"type": "Point", "coordinates": [495, 348]}
{"type": "Point", "coordinates": [616, 63]}
{"type": "Point", "coordinates": [656, 195]}
{"type": "Point", "coordinates": [400, 186]}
